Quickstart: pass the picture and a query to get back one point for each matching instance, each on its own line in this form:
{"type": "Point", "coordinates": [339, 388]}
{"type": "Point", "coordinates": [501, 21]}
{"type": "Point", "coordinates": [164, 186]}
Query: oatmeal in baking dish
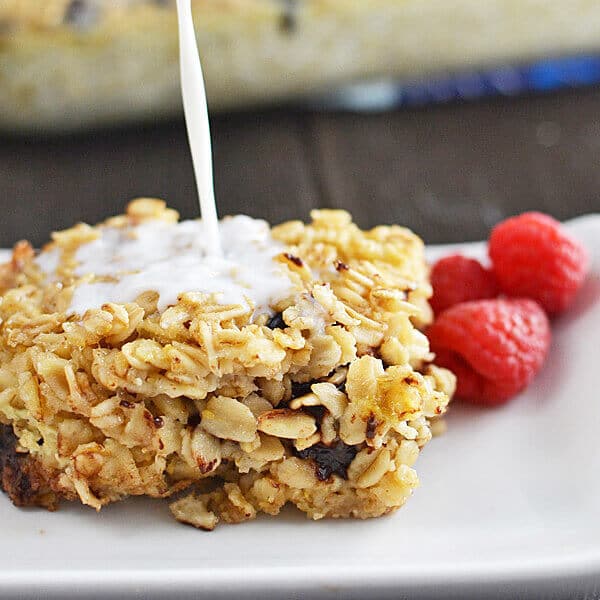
{"type": "Point", "coordinates": [292, 369]}
{"type": "Point", "coordinates": [69, 64]}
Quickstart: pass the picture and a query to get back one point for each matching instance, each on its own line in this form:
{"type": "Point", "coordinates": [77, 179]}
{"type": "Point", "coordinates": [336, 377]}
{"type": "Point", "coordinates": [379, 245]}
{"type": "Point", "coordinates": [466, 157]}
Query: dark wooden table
{"type": "Point", "coordinates": [449, 172]}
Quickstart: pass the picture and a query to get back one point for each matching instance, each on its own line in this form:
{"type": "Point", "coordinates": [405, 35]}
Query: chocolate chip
{"type": "Point", "coordinates": [193, 420]}
{"type": "Point", "coordinates": [330, 460]}
{"type": "Point", "coordinates": [276, 322]}
{"type": "Point", "coordinates": [158, 422]}
{"type": "Point", "coordinates": [82, 13]}
{"type": "Point", "coordinates": [338, 378]}
{"type": "Point", "coordinates": [126, 404]}
{"type": "Point", "coordinates": [301, 389]}
{"type": "Point", "coordinates": [341, 387]}
{"type": "Point", "coordinates": [288, 23]}
{"type": "Point", "coordinates": [318, 412]}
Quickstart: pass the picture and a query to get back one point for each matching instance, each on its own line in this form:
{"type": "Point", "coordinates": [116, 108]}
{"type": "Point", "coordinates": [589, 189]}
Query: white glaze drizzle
{"type": "Point", "coordinates": [197, 123]}
{"type": "Point", "coordinates": [172, 259]}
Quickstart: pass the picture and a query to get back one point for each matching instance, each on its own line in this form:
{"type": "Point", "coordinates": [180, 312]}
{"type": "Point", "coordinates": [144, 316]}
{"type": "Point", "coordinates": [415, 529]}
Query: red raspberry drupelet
{"type": "Point", "coordinates": [458, 279]}
{"type": "Point", "coordinates": [534, 257]}
{"type": "Point", "coordinates": [495, 347]}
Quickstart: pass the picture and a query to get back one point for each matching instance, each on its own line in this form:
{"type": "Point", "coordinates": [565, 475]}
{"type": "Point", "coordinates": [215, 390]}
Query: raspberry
{"type": "Point", "coordinates": [495, 347]}
{"type": "Point", "coordinates": [534, 257]}
{"type": "Point", "coordinates": [457, 279]}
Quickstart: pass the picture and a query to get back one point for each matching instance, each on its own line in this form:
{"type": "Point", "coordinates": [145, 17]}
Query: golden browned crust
{"type": "Point", "coordinates": [23, 478]}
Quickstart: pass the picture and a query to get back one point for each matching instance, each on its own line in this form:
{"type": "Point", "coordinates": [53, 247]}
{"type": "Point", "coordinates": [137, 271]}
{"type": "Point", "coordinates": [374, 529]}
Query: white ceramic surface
{"type": "Point", "coordinates": [509, 505]}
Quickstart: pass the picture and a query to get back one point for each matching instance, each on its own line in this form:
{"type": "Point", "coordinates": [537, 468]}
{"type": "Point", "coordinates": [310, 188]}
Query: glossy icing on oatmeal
{"type": "Point", "coordinates": [173, 258]}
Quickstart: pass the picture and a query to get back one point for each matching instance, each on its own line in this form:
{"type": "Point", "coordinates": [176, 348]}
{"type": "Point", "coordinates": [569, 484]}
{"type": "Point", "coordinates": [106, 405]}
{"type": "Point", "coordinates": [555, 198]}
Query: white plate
{"type": "Point", "coordinates": [509, 504]}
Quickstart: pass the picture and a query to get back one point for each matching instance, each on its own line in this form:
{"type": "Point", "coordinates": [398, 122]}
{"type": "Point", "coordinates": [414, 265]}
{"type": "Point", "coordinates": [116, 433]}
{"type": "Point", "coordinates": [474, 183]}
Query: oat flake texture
{"type": "Point", "coordinates": [322, 399]}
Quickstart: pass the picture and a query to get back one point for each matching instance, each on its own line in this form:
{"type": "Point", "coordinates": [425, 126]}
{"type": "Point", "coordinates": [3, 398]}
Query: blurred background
{"type": "Point", "coordinates": [442, 115]}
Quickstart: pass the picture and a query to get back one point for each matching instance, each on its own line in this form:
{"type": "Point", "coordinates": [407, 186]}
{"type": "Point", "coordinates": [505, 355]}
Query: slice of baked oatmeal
{"type": "Point", "coordinates": [296, 372]}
